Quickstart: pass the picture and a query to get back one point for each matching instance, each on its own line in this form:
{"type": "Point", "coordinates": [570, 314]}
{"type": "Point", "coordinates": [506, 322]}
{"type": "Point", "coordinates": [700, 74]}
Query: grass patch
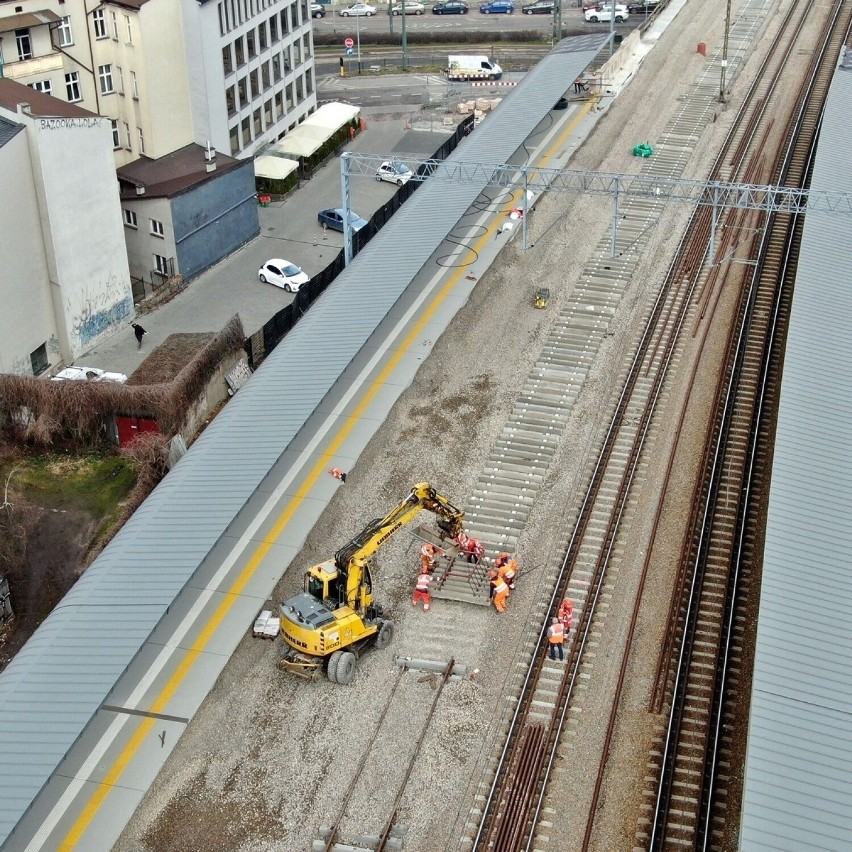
{"type": "Point", "coordinates": [92, 483]}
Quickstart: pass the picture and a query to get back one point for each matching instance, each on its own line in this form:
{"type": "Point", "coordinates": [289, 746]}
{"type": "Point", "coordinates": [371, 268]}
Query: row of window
{"type": "Point", "coordinates": [116, 137]}
{"type": "Point", "coordinates": [130, 220]}
{"type": "Point", "coordinates": [115, 84]}
{"type": "Point", "coordinates": [242, 133]}
{"type": "Point", "coordinates": [267, 34]}
{"type": "Point", "coordinates": [234, 13]}
{"type": "Point", "coordinates": [260, 80]}
{"type": "Point", "coordinates": [99, 23]}
{"type": "Point", "coordinates": [72, 87]}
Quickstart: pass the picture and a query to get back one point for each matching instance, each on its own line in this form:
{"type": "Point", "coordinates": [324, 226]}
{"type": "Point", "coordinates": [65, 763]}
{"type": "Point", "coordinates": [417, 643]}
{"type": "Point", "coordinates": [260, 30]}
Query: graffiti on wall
{"type": "Point", "coordinates": [100, 311]}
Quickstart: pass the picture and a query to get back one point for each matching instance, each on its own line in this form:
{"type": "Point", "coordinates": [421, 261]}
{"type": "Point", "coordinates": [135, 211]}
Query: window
{"type": "Point", "coordinates": [25, 46]}
{"type": "Point", "coordinates": [241, 90]}
{"type": "Point", "coordinates": [294, 16]}
{"type": "Point", "coordinates": [230, 100]}
{"type": "Point", "coordinates": [285, 24]}
{"type": "Point", "coordinates": [258, 126]}
{"type": "Point", "coordinates": [255, 89]}
{"type": "Point", "coordinates": [267, 113]}
{"type": "Point", "coordinates": [309, 82]}
{"type": "Point", "coordinates": [128, 30]}
{"type": "Point", "coordinates": [129, 218]}
{"type": "Point", "coordinates": [134, 85]}
{"type": "Point", "coordinates": [264, 75]}
{"type": "Point", "coordinates": [38, 359]}
{"type": "Point", "coordinates": [252, 51]}
{"type": "Point", "coordinates": [276, 67]}
{"type": "Point", "coordinates": [72, 86]}
{"type": "Point", "coordinates": [235, 140]}
{"type": "Point", "coordinates": [42, 86]}
{"type": "Point", "coordinates": [273, 29]}
{"type": "Point", "coordinates": [114, 21]}
{"type": "Point", "coordinates": [127, 136]}
{"type": "Point", "coordinates": [64, 30]}
{"type": "Point", "coordinates": [245, 125]}
{"type": "Point", "coordinates": [279, 105]}
{"type": "Point", "coordinates": [105, 77]}
{"type": "Point", "coordinates": [119, 75]}
{"type": "Point", "coordinates": [162, 264]}
{"type": "Point", "coordinates": [157, 228]}
{"type": "Point", "coordinates": [141, 140]}
{"type": "Point", "coordinates": [227, 60]}
{"type": "Point", "coordinates": [99, 23]}
{"type": "Point", "coordinates": [306, 44]}
{"type": "Point", "coordinates": [238, 49]}
{"type": "Point", "coordinates": [261, 36]}
{"type": "Point", "coordinates": [116, 136]}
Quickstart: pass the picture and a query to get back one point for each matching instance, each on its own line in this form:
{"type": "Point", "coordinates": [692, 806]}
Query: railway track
{"type": "Point", "coordinates": [512, 802]}
{"type": "Point", "coordinates": [691, 802]}
{"type": "Point", "coordinates": [387, 837]}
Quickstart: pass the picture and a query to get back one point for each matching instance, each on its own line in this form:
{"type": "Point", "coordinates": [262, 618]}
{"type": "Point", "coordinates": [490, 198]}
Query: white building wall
{"type": "Point", "coordinates": [81, 227]}
{"type": "Point", "coordinates": [26, 320]}
{"type": "Point", "coordinates": [142, 245]}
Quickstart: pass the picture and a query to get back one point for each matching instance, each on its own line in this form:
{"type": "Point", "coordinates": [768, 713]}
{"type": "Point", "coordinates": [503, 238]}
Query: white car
{"type": "Point", "coordinates": [282, 273]}
{"type": "Point", "coordinates": [604, 12]}
{"type": "Point", "coordinates": [394, 172]}
{"type": "Point", "coordinates": [88, 374]}
{"type": "Point", "coordinates": [412, 7]}
{"type": "Point", "coordinates": [358, 9]}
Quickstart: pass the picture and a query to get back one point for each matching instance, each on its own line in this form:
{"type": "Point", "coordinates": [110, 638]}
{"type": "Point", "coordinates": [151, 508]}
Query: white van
{"type": "Point", "coordinates": [463, 67]}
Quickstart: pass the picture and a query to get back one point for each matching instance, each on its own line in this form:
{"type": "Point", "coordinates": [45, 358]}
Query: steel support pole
{"type": "Point", "coordinates": [345, 193]}
{"type": "Point", "coordinates": [524, 207]}
{"type": "Point", "coordinates": [404, 40]}
{"type": "Point", "coordinates": [714, 221]}
{"type": "Point", "coordinates": [722, 82]}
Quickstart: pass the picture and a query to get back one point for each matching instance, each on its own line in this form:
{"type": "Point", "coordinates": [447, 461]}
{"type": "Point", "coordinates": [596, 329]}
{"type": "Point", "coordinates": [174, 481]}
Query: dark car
{"type": "Point", "coordinates": [333, 218]}
{"type": "Point", "coordinates": [317, 11]}
{"type": "Point", "coordinates": [497, 7]}
{"type": "Point", "coordinates": [540, 7]}
{"type": "Point", "coordinates": [643, 7]}
{"type": "Point", "coordinates": [450, 7]}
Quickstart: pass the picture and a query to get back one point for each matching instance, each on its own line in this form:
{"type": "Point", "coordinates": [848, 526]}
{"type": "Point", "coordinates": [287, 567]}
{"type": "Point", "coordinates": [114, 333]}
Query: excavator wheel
{"type": "Point", "coordinates": [344, 671]}
{"type": "Point", "coordinates": [331, 671]}
{"type": "Point", "coordinates": [384, 636]}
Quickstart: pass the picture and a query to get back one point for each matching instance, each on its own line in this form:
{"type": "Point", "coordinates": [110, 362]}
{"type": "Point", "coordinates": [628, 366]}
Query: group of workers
{"type": "Point", "coordinates": [469, 548]}
{"type": "Point", "coordinates": [560, 627]}
{"type": "Point", "coordinates": [502, 577]}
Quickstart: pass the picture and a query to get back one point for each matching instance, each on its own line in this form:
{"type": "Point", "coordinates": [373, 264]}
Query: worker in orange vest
{"type": "Point", "coordinates": [507, 568]}
{"type": "Point", "coordinates": [499, 591]}
{"type": "Point", "coordinates": [421, 591]}
{"type": "Point", "coordinates": [427, 556]}
{"type": "Point", "coordinates": [566, 614]}
{"type": "Point", "coordinates": [555, 638]}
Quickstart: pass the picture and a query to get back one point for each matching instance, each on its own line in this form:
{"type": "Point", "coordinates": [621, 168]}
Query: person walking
{"type": "Point", "coordinates": [421, 591]}
{"type": "Point", "coordinates": [337, 473]}
{"type": "Point", "coordinates": [470, 548]}
{"type": "Point", "coordinates": [556, 638]}
{"type": "Point", "coordinates": [139, 332]}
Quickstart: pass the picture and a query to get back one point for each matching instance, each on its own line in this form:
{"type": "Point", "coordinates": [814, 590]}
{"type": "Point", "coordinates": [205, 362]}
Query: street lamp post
{"type": "Point", "coordinates": [725, 53]}
{"type": "Point", "coordinates": [404, 38]}
{"type": "Point", "coordinates": [358, 39]}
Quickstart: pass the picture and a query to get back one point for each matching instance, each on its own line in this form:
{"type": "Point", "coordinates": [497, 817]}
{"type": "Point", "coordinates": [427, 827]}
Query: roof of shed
{"type": "Point", "coordinates": [51, 690]}
{"type": "Point", "coordinates": [174, 173]}
{"type": "Point", "coordinates": [798, 784]}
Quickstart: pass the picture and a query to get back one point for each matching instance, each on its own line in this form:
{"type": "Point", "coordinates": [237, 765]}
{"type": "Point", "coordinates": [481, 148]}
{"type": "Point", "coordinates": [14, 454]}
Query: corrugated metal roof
{"type": "Point", "coordinates": [8, 130]}
{"type": "Point", "coordinates": [51, 690]}
{"type": "Point", "coordinates": [798, 779]}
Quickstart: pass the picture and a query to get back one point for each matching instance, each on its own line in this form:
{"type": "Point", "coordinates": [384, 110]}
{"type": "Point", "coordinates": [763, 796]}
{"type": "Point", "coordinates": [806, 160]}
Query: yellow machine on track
{"type": "Point", "coordinates": [334, 619]}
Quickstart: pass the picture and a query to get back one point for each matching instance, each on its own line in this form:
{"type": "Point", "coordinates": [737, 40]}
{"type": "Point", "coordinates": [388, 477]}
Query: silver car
{"type": "Point", "coordinates": [359, 9]}
{"type": "Point", "coordinates": [394, 172]}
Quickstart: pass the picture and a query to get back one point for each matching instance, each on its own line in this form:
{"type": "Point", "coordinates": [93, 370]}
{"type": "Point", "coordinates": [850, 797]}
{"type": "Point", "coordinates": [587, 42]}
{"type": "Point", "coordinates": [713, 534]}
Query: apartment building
{"type": "Point", "coordinates": [236, 74]}
{"type": "Point", "coordinates": [65, 282]}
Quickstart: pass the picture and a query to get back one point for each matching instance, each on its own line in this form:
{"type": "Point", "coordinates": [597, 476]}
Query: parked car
{"type": "Point", "coordinates": [88, 374]}
{"type": "Point", "coordinates": [594, 16]}
{"type": "Point", "coordinates": [394, 172]}
{"type": "Point", "coordinates": [282, 273]}
{"type": "Point", "coordinates": [450, 7]}
{"type": "Point", "coordinates": [357, 10]}
{"type": "Point", "coordinates": [497, 7]}
{"type": "Point", "coordinates": [412, 7]}
{"type": "Point", "coordinates": [333, 218]}
{"type": "Point", "coordinates": [643, 7]}
{"type": "Point", "coordinates": [317, 11]}
{"type": "Point", "coordinates": [540, 7]}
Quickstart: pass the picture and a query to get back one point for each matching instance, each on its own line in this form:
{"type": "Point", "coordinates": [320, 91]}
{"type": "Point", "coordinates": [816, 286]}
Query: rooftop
{"type": "Point", "coordinates": [173, 174]}
{"type": "Point", "coordinates": [28, 19]}
{"type": "Point", "coordinates": [42, 105]}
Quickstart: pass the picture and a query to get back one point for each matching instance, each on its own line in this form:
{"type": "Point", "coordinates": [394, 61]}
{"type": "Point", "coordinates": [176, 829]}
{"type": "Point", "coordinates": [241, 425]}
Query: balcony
{"type": "Point", "coordinates": [38, 66]}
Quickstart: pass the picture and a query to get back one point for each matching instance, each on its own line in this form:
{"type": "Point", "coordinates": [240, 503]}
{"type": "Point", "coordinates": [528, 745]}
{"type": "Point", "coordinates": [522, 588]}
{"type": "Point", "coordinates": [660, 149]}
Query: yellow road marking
{"type": "Point", "coordinates": [91, 807]}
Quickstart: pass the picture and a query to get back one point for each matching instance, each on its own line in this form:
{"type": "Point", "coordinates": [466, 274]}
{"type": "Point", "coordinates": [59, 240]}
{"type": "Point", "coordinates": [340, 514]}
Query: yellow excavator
{"type": "Point", "coordinates": [334, 619]}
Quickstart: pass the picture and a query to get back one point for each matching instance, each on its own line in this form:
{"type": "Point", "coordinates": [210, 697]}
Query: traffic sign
{"type": "Point", "coordinates": [349, 42]}
{"type": "Point", "coordinates": [349, 51]}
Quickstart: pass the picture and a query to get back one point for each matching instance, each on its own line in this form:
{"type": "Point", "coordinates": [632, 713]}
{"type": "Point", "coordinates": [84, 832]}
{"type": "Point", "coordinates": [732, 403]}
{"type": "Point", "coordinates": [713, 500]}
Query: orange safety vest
{"type": "Point", "coordinates": [556, 634]}
{"type": "Point", "coordinates": [500, 588]}
{"type": "Point", "coordinates": [508, 570]}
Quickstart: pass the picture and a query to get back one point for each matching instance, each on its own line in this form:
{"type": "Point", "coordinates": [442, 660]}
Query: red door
{"type": "Point", "coordinates": [130, 427]}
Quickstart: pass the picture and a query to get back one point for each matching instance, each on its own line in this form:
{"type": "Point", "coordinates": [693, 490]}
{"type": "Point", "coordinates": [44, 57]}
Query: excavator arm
{"type": "Point", "coordinates": [351, 560]}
